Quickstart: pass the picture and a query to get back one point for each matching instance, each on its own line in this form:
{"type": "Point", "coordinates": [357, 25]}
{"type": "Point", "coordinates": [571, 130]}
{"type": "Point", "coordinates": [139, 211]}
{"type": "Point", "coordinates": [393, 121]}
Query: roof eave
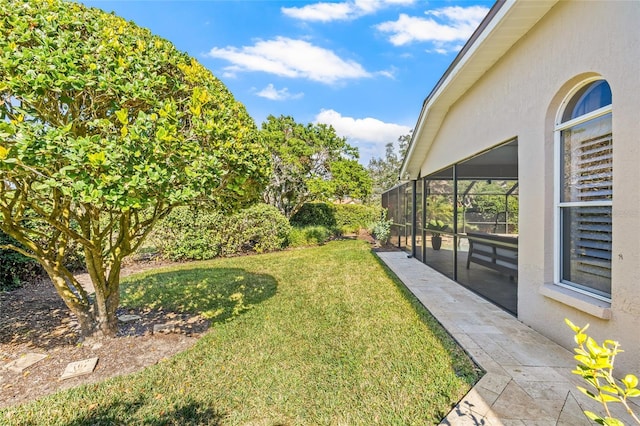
{"type": "Point", "coordinates": [495, 35]}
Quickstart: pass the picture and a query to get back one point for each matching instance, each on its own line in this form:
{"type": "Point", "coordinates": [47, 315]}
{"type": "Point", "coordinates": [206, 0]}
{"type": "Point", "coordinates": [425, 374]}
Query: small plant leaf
{"type": "Point", "coordinates": [571, 325]}
{"type": "Point", "coordinates": [97, 158]}
{"type": "Point", "coordinates": [630, 381]}
{"type": "Point", "coordinates": [593, 347]}
{"type": "Point", "coordinates": [632, 393]}
{"type": "Point", "coordinates": [608, 398]}
{"type": "Point", "coordinates": [122, 115]}
{"type": "Point", "coordinates": [580, 338]}
{"type": "Point", "coordinates": [609, 389]}
{"type": "Point", "coordinates": [588, 393]}
{"type": "Point", "coordinates": [593, 416]}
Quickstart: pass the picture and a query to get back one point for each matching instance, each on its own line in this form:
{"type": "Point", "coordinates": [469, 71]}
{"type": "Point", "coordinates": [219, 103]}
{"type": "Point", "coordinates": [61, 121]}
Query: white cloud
{"type": "Point", "coordinates": [369, 134]}
{"type": "Point", "coordinates": [270, 92]}
{"type": "Point", "coordinates": [291, 58]}
{"type": "Point", "coordinates": [321, 12]}
{"type": "Point", "coordinates": [445, 27]}
{"type": "Point", "coordinates": [390, 73]}
{"type": "Point", "coordinates": [326, 12]}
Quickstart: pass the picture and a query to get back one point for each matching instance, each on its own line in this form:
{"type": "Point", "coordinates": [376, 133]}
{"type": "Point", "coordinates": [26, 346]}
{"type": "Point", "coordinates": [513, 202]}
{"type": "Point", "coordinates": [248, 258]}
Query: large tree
{"type": "Point", "coordinates": [104, 128]}
{"type": "Point", "coordinates": [310, 162]}
{"type": "Point", "coordinates": [385, 172]}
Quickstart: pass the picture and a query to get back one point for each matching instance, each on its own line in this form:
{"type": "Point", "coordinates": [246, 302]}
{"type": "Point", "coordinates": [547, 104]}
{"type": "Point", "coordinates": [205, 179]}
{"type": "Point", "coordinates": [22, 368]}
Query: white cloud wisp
{"type": "Point", "coordinates": [291, 58]}
{"type": "Point", "coordinates": [327, 12]}
{"type": "Point", "coordinates": [270, 92]}
{"type": "Point", "coordinates": [446, 28]}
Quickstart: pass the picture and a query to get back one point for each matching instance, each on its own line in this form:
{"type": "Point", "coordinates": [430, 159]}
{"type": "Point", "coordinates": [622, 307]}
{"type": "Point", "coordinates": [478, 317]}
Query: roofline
{"type": "Point", "coordinates": [506, 22]}
{"type": "Point", "coordinates": [476, 34]}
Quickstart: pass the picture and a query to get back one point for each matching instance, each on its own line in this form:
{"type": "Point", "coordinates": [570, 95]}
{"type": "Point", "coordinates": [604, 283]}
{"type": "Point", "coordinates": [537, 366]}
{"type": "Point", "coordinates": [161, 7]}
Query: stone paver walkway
{"type": "Point", "coordinates": [528, 378]}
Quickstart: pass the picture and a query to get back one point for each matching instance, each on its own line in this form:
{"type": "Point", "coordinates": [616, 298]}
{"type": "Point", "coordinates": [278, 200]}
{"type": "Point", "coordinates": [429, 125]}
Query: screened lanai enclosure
{"type": "Point", "coordinates": [463, 222]}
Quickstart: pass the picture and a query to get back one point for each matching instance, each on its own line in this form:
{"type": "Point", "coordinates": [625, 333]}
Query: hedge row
{"type": "Point", "coordinates": [197, 234]}
{"type": "Point", "coordinates": [346, 218]}
{"type": "Point", "coordinates": [190, 233]}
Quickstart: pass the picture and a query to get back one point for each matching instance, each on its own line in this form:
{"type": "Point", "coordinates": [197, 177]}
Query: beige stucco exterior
{"type": "Point", "coordinates": [519, 97]}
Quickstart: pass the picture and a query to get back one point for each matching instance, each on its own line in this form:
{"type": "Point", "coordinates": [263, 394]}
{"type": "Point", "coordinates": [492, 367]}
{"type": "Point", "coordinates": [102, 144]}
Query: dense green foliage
{"type": "Point", "coordinates": [309, 163]}
{"type": "Point", "coordinates": [197, 234]}
{"type": "Point", "coordinates": [261, 228]}
{"type": "Point", "coordinates": [349, 180]}
{"type": "Point", "coordinates": [345, 218]}
{"type": "Point", "coordinates": [351, 218]}
{"type": "Point", "coordinates": [188, 233]}
{"type": "Point", "coordinates": [104, 128]}
{"type": "Point", "coordinates": [315, 214]}
{"type": "Point", "coordinates": [487, 203]}
{"type": "Point", "coordinates": [320, 336]}
{"type": "Point", "coordinates": [15, 268]}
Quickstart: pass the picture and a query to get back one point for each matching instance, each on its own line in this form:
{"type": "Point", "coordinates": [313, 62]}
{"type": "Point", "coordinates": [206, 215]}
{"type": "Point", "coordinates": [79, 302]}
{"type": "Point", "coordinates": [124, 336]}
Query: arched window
{"type": "Point", "coordinates": [585, 190]}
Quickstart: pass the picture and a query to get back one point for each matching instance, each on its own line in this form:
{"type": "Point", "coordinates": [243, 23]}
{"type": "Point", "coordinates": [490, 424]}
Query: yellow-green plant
{"type": "Point", "coordinates": [596, 368]}
{"type": "Point", "coordinates": [104, 129]}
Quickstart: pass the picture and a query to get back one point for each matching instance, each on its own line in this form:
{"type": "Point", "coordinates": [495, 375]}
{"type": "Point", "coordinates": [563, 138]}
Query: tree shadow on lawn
{"type": "Point", "coordinates": [217, 294]}
{"type": "Point", "coordinates": [189, 412]}
{"type": "Point", "coordinates": [192, 298]}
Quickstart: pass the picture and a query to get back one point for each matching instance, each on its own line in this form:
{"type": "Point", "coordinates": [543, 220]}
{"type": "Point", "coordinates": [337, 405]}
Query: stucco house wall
{"type": "Point", "coordinates": [520, 97]}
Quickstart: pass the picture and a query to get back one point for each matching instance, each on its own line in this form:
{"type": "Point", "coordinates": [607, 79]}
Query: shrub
{"type": "Point", "coordinates": [260, 228]}
{"type": "Point", "coordinates": [315, 214]}
{"type": "Point", "coordinates": [381, 229]}
{"type": "Point", "coordinates": [309, 236]}
{"type": "Point", "coordinates": [595, 366]}
{"type": "Point", "coordinates": [347, 218]}
{"type": "Point", "coordinates": [350, 218]}
{"type": "Point", "coordinates": [15, 268]}
{"type": "Point", "coordinates": [98, 117]}
{"type": "Point", "coordinates": [198, 234]}
{"type": "Point", "coordinates": [188, 234]}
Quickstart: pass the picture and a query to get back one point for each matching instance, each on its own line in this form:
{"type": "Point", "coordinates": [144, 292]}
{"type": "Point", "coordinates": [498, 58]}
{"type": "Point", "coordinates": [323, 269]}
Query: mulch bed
{"type": "Point", "coordinates": [34, 318]}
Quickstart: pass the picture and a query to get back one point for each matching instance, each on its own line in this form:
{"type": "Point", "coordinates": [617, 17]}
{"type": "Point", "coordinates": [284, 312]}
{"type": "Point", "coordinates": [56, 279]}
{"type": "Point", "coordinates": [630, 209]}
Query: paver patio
{"type": "Point", "coordinates": [528, 378]}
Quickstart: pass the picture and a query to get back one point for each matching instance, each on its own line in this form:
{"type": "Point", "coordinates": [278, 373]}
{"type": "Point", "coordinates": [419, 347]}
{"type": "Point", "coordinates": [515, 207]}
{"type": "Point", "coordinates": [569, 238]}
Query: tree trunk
{"type": "Point", "coordinates": [107, 297]}
{"type": "Point", "coordinates": [77, 304]}
{"type": "Point", "coordinates": [96, 315]}
{"type": "Point", "coordinates": [104, 306]}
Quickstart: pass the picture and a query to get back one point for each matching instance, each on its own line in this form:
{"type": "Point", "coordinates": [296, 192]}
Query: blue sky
{"type": "Point", "coordinates": [362, 66]}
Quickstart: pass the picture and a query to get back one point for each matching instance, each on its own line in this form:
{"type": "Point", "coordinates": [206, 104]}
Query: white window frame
{"type": "Point", "coordinates": [558, 205]}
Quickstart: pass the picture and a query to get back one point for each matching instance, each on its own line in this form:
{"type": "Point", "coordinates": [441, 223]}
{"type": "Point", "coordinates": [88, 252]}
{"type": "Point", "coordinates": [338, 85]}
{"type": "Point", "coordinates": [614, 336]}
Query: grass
{"type": "Point", "coordinates": [319, 336]}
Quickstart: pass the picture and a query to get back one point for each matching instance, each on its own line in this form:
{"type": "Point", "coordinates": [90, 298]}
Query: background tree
{"type": "Point", "coordinates": [302, 157]}
{"type": "Point", "coordinates": [385, 171]}
{"type": "Point", "coordinates": [105, 128]}
{"type": "Point", "coordinates": [349, 180]}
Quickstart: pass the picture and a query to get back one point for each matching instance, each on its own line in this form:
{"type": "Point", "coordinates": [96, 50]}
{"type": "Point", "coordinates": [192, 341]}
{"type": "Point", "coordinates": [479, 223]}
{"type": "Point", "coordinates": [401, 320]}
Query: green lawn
{"type": "Point", "coordinates": [318, 336]}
